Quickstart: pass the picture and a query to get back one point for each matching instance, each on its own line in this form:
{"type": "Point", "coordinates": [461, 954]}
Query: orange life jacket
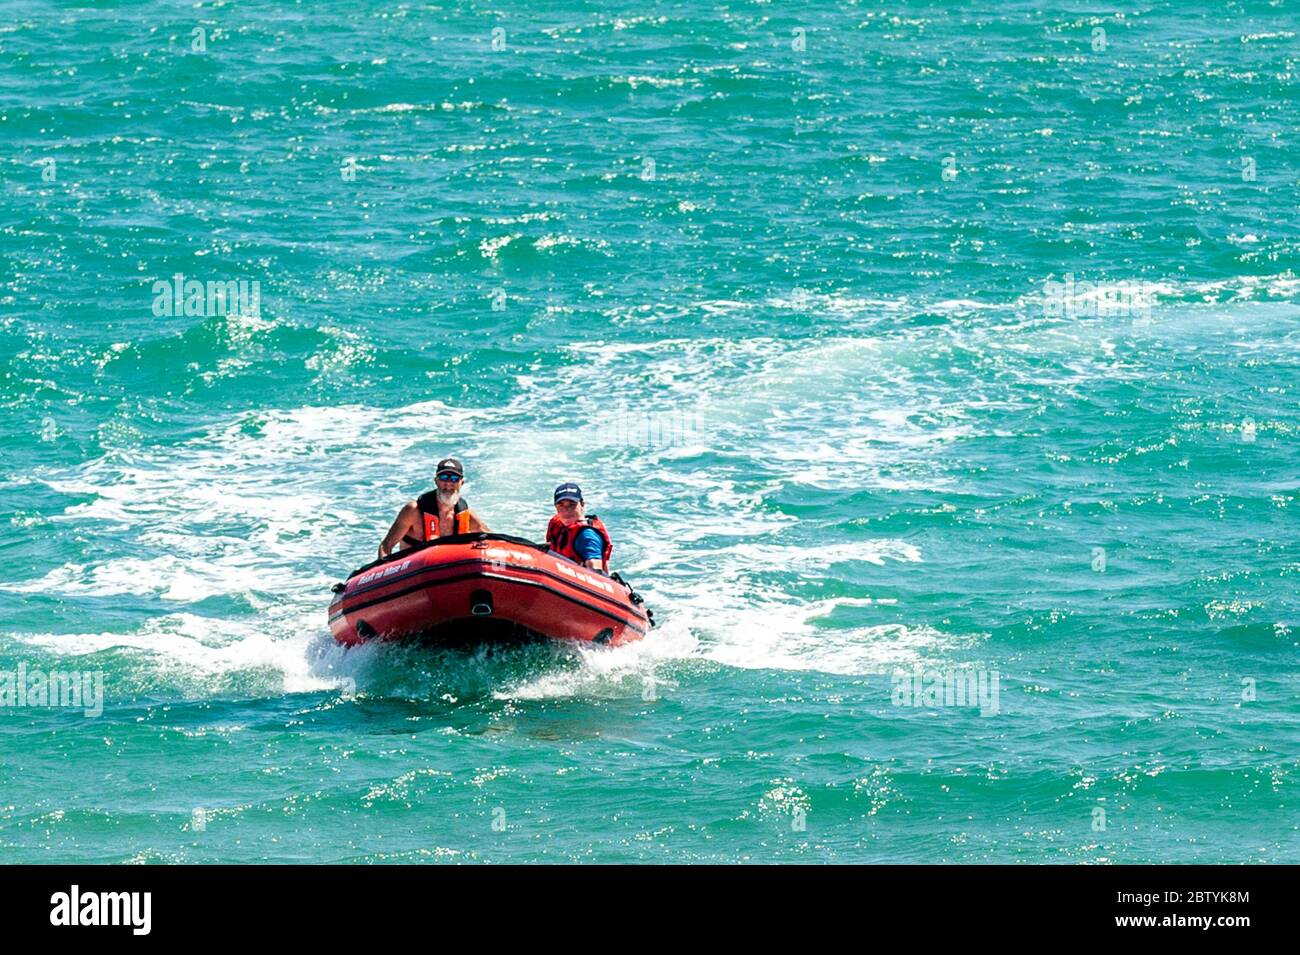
{"type": "Point", "coordinates": [560, 537]}
{"type": "Point", "coordinates": [428, 505]}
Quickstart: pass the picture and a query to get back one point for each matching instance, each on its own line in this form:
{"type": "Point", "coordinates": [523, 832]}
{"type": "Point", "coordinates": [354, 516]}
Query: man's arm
{"type": "Point", "coordinates": [589, 547]}
{"type": "Point", "coordinates": [476, 523]}
{"type": "Point", "coordinates": [407, 520]}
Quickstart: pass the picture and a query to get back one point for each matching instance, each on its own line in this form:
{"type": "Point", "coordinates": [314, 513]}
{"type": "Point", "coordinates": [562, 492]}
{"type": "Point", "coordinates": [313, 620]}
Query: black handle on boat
{"type": "Point", "coordinates": [636, 598]}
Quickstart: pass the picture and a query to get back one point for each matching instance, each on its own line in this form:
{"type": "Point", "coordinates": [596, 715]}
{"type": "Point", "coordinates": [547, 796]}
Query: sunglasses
{"type": "Point", "coordinates": [567, 503]}
{"type": "Point", "coordinates": [448, 476]}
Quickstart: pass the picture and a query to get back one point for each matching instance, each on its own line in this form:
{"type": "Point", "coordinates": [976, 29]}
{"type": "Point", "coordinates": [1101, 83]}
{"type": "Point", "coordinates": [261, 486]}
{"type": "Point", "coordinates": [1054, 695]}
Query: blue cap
{"type": "Point", "coordinates": [568, 492]}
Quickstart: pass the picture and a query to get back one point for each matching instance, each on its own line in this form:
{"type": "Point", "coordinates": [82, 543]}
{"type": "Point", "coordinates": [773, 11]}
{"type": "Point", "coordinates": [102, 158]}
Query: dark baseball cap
{"type": "Point", "coordinates": [449, 464]}
{"type": "Point", "coordinates": [568, 492]}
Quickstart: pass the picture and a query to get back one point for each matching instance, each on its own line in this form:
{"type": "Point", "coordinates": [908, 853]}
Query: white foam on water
{"type": "Point", "coordinates": [196, 652]}
{"type": "Point", "coordinates": [170, 577]}
{"type": "Point", "coordinates": [731, 599]}
{"type": "Point", "coordinates": [767, 630]}
{"type": "Point", "coordinates": [271, 507]}
{"type": "Point", "coordinates": [768, 555]}
{"type": "Point", "coordinates": [632, 669]}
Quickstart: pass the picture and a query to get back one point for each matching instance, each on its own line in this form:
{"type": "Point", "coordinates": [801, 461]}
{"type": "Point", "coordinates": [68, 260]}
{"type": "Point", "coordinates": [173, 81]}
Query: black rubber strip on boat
{"type": "Point", "coordinates": [510, 580]}
{"type": "Point", "coordinates": [577, 585]}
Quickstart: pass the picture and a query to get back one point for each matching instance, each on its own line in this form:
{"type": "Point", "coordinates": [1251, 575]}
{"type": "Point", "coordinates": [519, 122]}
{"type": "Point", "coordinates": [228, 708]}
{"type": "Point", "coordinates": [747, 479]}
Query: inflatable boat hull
{"type": "Point", "coordinates": [484, 586]}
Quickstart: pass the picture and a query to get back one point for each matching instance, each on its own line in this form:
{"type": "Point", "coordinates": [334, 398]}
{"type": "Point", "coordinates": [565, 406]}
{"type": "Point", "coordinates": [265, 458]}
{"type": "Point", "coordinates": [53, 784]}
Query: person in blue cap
{"type": "Point", "coordinates": [574, 534]}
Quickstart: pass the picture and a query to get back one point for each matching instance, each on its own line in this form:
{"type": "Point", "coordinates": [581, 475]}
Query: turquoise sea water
{"type": "Point", "coordinates": [777, 284]}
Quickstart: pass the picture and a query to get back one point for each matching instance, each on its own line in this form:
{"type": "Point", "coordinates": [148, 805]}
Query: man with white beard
{"type": "Point", "coordinates": [434, 514]}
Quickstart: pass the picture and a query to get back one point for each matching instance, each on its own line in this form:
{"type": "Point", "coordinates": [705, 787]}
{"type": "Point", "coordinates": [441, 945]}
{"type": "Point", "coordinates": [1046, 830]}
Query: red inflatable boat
{"type": "Point", "coordinates": [474, 587]}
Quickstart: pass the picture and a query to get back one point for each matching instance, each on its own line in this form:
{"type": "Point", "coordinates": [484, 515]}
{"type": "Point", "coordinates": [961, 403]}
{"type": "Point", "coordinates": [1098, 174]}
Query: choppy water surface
{"type": "Point", "coordinates": [886, 339]}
